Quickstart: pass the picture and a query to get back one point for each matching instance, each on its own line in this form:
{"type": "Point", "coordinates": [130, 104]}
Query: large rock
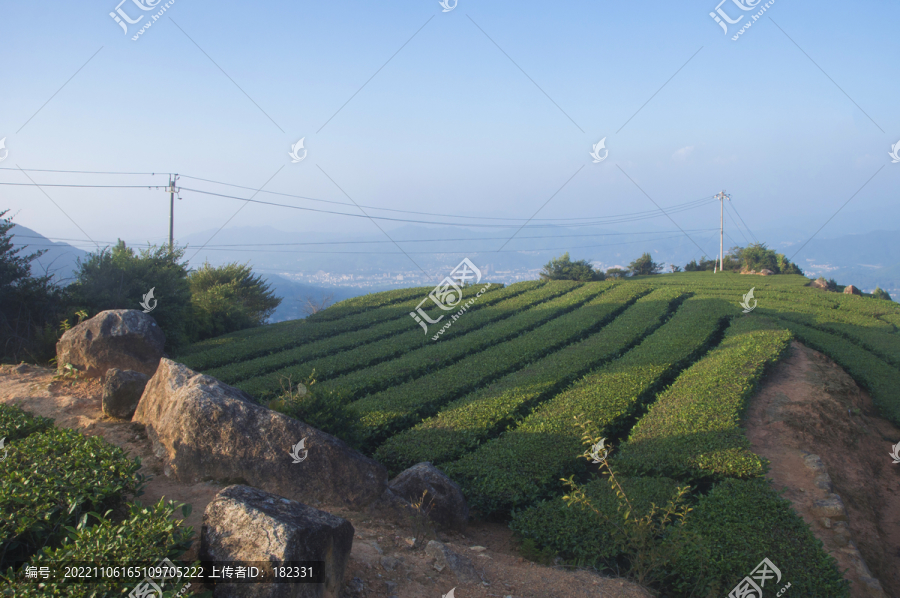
{"type": "Point", "coordinates": [207, 430]}
{"type": "Point", "coordinates": [851, 290]}
{"type": "Point", "coordinates": [460, 566]}
{"type": "Point", "coordinates": [122, 390]}
{"type": "Point", "coordinates": [443, 496]}
{"type": "Point", "coordinates": [766, 272]}
{"type": "Point", "coordinates": [118, 338]}
{"type": "Point", "coordinates": [819, 284]}
{"type": "Point", "coordinates": [247, 524]}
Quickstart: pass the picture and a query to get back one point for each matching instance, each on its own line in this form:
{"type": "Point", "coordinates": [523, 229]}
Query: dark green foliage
{"type": "Point", "coordinates": [30, 306]}
{"type": "Point", "coordinates": [645, 265]}
{"type": "Point", "coordinates": [145, 536]}
{"type": "Point", "coordinates": [578, 534]}
{"type": "Point", "coordinates": [692, 431]}
{"type": "Point", "coordinates": [758, 257]}
{"type": "Point", "coordinates": [563, 268]}
{"type": "Point", "coordinates": [49, 480]}
{"type": "Point", "coordinates": [703, 266]}
{"type": "Point", "coordinates": [118, 278]}
{"type": "Point", "coordinates": [741, 523]}
{"type": "Point", "coordinates": [880, 293]}
{"type": "Point", "coordinates": [616, 273]}
{"type": "Point", "coordinates": [228, 298]}
{"type": "Point", "coordinates": [16, 423]}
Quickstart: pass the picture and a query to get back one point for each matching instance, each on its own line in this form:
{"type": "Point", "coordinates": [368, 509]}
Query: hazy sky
{"type": "Point", "coordinates": [484, 111]}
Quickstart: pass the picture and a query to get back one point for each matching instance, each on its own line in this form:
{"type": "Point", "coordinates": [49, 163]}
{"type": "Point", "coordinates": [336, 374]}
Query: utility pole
{"type": "Point", "coordinates": [722, 196]}
{"type": "Point", "coordinates": [172, 179]}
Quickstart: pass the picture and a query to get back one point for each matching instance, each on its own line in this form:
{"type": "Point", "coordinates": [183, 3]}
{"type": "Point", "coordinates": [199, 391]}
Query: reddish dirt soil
{"type": "Point", "coordinates": [808, 404]}
{"type": "Point", "coordinates": [381, 562]}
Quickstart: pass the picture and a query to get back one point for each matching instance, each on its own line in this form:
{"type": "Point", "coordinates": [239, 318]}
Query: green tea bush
{"type": "Point", "coordinates": [144, 537]}
{"type": "Point", "coordinates": [50, 479]}
{"type": "Point", "coordinates": [693, 429]}
{"type": "Point", "coordinates": [16, 423]}
{"type": "Point", "coordinates": [741, 522]}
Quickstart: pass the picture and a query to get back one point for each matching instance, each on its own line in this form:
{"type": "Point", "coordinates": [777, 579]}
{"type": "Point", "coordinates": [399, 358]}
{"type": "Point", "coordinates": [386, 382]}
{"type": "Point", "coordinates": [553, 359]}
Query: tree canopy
{"type": "Point", "coordinates": [563, 268]}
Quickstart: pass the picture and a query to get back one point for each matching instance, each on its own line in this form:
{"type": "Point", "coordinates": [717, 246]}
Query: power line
{"type": "Point", "coordinates": [744, 223]}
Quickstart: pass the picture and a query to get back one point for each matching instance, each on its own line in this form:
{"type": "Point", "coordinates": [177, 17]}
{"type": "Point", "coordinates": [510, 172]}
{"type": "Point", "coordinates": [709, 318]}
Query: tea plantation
{"type": "Point", "coordinates": [661, 366]}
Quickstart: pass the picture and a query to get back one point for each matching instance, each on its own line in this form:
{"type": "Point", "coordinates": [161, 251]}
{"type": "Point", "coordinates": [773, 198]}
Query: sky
{"type": "Point", "coordinates": [487, 112]}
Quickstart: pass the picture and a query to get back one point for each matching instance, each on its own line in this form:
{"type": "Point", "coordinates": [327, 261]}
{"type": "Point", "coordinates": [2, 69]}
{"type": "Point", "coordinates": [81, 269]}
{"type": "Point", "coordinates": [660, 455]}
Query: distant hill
{"type": "Point", "coordinates": [294, 296]}
{"type": "Point", "coordinates": [61, 259]}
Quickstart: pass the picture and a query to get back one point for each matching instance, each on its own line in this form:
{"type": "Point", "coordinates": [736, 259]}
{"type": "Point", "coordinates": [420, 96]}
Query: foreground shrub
{"type": "Point", "coordinates": [740, 523]}
{"type": "Point", "coordinates": [16, 423]}
{"type": "Point", "coordinates": [49, 480]}
{"type": "Point", "coordinates": [145, 537]}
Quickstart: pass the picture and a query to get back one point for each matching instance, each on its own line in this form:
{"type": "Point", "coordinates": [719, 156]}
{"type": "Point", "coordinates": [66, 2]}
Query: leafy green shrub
{"type": "Point", "coordinates": [645, 265]}
{"type": "Point", "coordinates": [880, 293]}
{"type": "Point", "coordinates": [145, 537]}
{"type": "Point", "coordinates": [740, 523]}
{"type": "Point", "coordinates": [579, 534]}
{"type": "Point", "coordinates": [693, 429]}
{"type": "Point", "coordinates": [319, 409]}
{"type": "Point", "coordinates": [16, 423]}
{"type": "Point", "coordinates": [563, 268]}
{"type": "Point", "coordinates": [50, 479]}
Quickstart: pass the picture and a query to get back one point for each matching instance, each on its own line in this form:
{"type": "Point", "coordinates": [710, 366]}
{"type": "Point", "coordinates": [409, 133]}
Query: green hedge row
{"type": "Point", "coordinates": [740, 523]}
{"type": "Point", "coordinates": [499, 305]}
{"type": "Point", "coordinates": [16, 424]}
{"type": "Point", "coordinates": [464, 424]}
{"type": "Point", "coordinates": [49, 480]}
{"type": "Point", "coordinates": [249, 346]}
{"type": "Point", "coordinates": [879, 378]}
{"type": "Point", "coordinates": [578, 534]}
{"type": "Point", "coordinates": [345, 308]}
{"type": "Point", "coordinates": [526, 463]}
{"type": "Point", "coordinates": [692, 431]}
{"type": "Point", "coordinates": [146, 536]}
{"type": "Point", "coordinates": [576, 314]}
{"type": "Point", "coordinates": [470, 333]}
{"type": "Point", "coordinates": [259, 366]}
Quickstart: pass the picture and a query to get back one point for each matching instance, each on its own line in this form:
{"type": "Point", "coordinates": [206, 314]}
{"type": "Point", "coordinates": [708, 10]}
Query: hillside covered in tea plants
{"type": "Point", "coordinates": [661, 366]}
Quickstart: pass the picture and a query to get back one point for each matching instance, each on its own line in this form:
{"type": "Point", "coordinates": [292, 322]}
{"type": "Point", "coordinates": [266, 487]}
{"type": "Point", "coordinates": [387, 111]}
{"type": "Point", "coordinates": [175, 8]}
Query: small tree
{"type": "Point", "coordinates": [228, 298]}
{"type": "Point", "coordinates": [310, 305]}
{"type": "Point", "coordinates": [563, 268]}
{"type": "Point", "coordinates": [702, 266]}
{"type": "Point", "coordinates": [645, 265]}
{"type": "Point", "coordinates": [880, 293]}
{"type": "Point", "coordinates": [616, 273]}
{"type": "Point", "coordinates": [674, 268]}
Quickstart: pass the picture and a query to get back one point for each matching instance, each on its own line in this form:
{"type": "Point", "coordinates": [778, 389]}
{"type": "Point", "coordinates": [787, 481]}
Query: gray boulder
{"type": "Point", "coordinates": [766, 272]}
{"type": "Point", "coordinates": [204, 429]}
{"type": "Point", "coordinates": [445, 558]}
{"type": "Point", "coordinates": [246, 524]}
{"type": "Point", "coordinates": [443, 496]}
{"type": "Point", "coordinates": [122, 390]}
{"type": "Point", "coordinates": [126, 339]}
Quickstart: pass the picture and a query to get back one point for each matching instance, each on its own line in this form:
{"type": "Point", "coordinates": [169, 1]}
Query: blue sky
{"type": "Point", "coordinates": [451, 124]}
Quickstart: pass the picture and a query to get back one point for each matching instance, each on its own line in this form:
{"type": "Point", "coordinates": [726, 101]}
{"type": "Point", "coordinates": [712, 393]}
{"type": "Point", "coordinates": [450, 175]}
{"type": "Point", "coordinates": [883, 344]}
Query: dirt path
{"type": "Point", "coordinates": [381, 564]}
{"type": "Point", "coordinates": [809, 406]}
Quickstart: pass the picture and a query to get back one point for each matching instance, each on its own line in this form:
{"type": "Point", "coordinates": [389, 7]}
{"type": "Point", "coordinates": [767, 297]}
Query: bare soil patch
{"type": "Point", "coordinates": [381, 565]}
{"type": "Point", "coordinates": [810, 405]}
